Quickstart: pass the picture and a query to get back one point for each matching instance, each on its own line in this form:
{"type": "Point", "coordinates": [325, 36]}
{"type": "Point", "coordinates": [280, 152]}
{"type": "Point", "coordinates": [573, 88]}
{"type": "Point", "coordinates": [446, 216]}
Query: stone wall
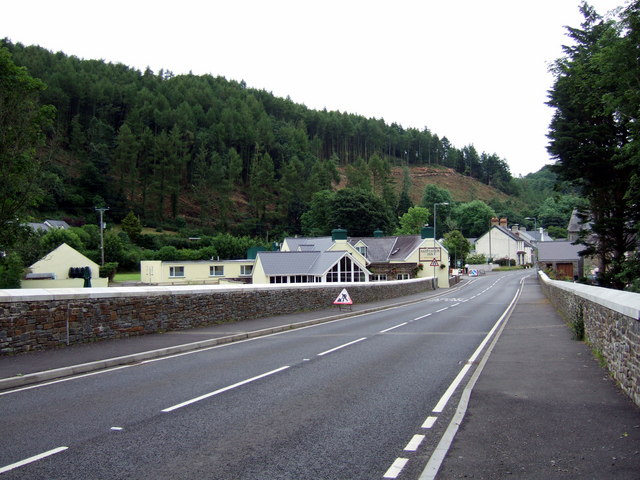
{"type": "Point", "coordinates": [611, 325]}
{"type": "Point", "coordinates": [44, 319]}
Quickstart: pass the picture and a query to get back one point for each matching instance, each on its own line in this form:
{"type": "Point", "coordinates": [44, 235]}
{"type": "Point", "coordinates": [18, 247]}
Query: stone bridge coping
{"type": "Point", "coordinates": [626, 303]}
{"type": "Point", "coordinates": [41, 294]}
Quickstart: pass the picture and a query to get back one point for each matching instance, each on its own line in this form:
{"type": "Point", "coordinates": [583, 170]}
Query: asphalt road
{"type": "Point", "coordinates": [364, 397]}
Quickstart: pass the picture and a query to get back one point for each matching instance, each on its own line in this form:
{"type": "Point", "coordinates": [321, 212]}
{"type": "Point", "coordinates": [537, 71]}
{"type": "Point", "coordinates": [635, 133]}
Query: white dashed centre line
{"type": "Point", "coordinates": [428, 423]}
{"type": "Point", "coordinates": [35, 458]}
{"type": "Point", "coordinates": [222, 390]}
{"type": "Point", "coordinates": [392, 328]}
{"type": "Point", "coordinates": [396, 468]}
{"type": "Point", "coordinates": [414, 443]}
{"type": "Point", "coordinates": [341, 346]}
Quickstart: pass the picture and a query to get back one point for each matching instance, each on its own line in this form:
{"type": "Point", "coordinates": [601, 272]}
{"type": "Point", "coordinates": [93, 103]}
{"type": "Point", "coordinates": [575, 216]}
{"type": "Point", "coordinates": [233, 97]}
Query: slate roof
{"type": "Point", "coordinates": [557, 251]}
{"type": "Point", "coordinates": [385, 249]}
{"type": "Point", "coordinates": [309, 244]}
{"type": "Point", "coordinates": [513, 236]}
{"type": "Point", "coordinates": [298, 262]}
{"type": "Point", "coordinates": [575, 224]}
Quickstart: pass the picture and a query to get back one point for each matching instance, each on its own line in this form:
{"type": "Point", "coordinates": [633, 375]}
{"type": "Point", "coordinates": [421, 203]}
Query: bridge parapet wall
{"type": "Point", "coordinates": [34, 319]}
{"type": "Point", "coordinates": [611, 320]}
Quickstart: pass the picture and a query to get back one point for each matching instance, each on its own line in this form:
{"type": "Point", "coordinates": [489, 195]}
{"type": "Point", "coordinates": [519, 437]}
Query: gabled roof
{"type": "Point", "coordinates": [576, 224]}
{"type": "Point", "coordinates": [298, 262]}
{"type": "Point", "coordinates": [57, 224]}
{"type": "Point", "coordinates": [556, 251]}
{"type": "Point", "coordinates": [512, 235]}
{"type": "Point", "coordinates": [385, 249]}
{"type": "Point", "coordinates": [309, 244]}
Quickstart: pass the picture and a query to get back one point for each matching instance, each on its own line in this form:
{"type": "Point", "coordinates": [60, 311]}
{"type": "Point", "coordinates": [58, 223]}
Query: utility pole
{"type": "Point", "coordinates": [102, 210]}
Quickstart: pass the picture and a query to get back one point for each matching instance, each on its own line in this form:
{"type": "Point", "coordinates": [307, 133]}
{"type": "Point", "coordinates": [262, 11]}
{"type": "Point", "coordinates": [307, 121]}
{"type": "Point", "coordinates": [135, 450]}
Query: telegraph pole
{"type": "Point", "coordinates": [102, 210]}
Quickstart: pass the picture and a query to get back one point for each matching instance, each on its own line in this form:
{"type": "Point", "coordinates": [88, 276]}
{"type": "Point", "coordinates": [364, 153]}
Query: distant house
{"type": "Point", "coordinates": [309, 267]}
{"type": "Point", "coordinates": [176, 272]}
{"type": "Point", "coordinates": [386, 257]}
{"type": "Point", "coordinates": [60, 268]}
{"type": "Point", "coordinates": [315, 260]}
{"type": "Point", "coordinates": [49, 225]}
{"type": "Point", "coordinates": [501, 242]}
{"type": "Point", "coordinates": [562, 257]}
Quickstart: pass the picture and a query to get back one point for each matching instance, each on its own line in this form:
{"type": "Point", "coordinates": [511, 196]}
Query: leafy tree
{"type": "Point", "coordinates": [131, 226]}
{"type": "Point", "coordinates": [557, 232]}
{"type": "Point", "coordinates": [457, 245]}
{"type": "Point", "coordinates": [474, 218]}
{"type": "Point", "coordinates": [11, 271]}
{"type": "Point", "coordinates": [433, 194]}
{"type": "Point", "coordinates": [412, 222]}
{"type": "Point", "coordinates": [318, 219]}
{"type": "Point", "coordinates": [23, 122]}
{"type": "Point", "coordinates": [360, 212]}
{"type": "Point", "coordinates": [359, 176]}
{"type": "Point", "coordinates": [56, 237]}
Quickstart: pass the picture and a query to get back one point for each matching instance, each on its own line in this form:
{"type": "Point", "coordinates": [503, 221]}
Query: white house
{"type": "Point", "coordinates": [502, 243]}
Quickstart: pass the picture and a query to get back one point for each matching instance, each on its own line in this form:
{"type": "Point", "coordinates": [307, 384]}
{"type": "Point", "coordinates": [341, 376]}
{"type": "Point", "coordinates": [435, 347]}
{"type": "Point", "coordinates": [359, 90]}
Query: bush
{"type": "Point", "coordinates": [477, 259]}
{"type": "Point", "coordinates": [11, 271]}
{"type": "Point", "coordinates": [108, 270]}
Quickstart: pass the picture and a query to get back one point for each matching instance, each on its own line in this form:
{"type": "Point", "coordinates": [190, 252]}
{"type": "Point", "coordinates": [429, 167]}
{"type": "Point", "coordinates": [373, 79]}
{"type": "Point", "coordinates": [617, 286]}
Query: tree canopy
{"type": "Point", "coordinates": [594, 134]}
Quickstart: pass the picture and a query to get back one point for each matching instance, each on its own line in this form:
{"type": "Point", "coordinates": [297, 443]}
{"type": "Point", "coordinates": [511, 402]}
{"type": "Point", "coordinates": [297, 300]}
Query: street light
{"type": "Point", "coordinates": [102, 210]}
{"type": "Point", "coordinates": [435, 231]}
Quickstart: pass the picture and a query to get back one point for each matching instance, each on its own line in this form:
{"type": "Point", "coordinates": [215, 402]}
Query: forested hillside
{"type": "Point", "coordinates": [214, 153]}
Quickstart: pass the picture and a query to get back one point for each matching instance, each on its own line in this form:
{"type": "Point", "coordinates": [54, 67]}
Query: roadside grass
{"type": "Point", "coordinates": [126, 277]}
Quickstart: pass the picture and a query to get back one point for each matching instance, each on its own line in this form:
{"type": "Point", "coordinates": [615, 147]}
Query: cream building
{"type": "Point", "coordinates": [55, 270]}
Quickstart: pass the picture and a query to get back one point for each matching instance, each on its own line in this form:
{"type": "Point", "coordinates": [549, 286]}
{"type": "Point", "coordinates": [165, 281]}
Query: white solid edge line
{"type": "Point", "coordinates": [32, 459]}
{"type": "Point", "coordinates": [439, 454]}
{"type": "Point", "coordinates": [454, 385]}
{"type": "Point", "coordinates": [221, 390]}
{"type": "Point", "coordinates": [396, 468]}
{"type": "Point", "coordinates": [341, 346]}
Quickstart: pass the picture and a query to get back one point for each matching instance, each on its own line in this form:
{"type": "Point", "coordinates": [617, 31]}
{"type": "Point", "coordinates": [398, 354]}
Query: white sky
{"type": "Point", "coordinates": [473, 71]}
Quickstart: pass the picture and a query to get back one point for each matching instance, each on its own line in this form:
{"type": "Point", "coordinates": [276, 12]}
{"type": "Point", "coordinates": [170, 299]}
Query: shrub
{"type": "Point", "coordinates": [108, 270]}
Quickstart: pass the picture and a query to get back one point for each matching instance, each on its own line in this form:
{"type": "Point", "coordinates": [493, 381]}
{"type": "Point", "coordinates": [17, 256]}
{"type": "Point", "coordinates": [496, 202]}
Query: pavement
{"type": "Point", "coordinates": [542, 407]}
{"type": "Point", "coordinates": [539, 406]}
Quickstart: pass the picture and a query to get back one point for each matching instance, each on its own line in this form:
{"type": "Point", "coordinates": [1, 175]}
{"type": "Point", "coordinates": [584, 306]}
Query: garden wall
{"type": "Point", "coordinates": [611, 320]}
{"type": "Point", "coordinates": [44, 319]}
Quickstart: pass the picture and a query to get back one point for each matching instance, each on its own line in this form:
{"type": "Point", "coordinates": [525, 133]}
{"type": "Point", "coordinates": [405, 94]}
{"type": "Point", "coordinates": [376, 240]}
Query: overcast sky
{"type": "Point", "coordinates": [473, 71]}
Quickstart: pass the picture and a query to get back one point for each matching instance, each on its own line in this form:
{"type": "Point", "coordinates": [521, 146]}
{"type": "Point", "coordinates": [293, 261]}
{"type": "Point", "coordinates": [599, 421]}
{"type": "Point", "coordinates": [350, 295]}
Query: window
{"type": "Point", "coordinates": [246, 270]}
{"type": "Point", "coordinates": [380, 277]}
{"type": "Point", "coordinates": [216, 270]}
{"type": "Point", "coordinates": [362, 250]}
{"type": "Point", "coordinates": [403, 276]}
{"type": "Point", "coordinates": [175, 272]}
{"type": "Point", "coordinates": [346, 270]}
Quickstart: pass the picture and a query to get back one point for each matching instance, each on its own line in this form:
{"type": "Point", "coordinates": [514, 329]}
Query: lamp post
{"type": "Point", "coordinates": [435, 231]}
{"type": "Point", "coordinates": [102, 210]}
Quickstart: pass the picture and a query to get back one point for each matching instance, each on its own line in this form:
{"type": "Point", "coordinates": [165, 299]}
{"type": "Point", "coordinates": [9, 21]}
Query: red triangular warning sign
{"type": "Point", "coordinates": [434, 262]}
{"type": "Point", "coordinates": [343, 298]}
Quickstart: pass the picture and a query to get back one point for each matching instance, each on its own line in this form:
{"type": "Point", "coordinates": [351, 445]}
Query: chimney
{"type": "Point", "coordinates": [515, 228]}
{"type": "Point", "coordinates": [426, 232]}
{"type": "Point", "coordinates": [494, 222]}
{"type": "Point", "coordinates": [338, 234]}
{"type": "Point", "coordinates": [378, 233]}
{"type": "Point", "coordinates": [503, 222]}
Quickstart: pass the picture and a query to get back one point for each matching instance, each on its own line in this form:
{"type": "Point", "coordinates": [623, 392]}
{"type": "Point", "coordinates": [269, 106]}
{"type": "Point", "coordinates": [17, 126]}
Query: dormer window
{"type": "Point", "coordinates": [362, 250]}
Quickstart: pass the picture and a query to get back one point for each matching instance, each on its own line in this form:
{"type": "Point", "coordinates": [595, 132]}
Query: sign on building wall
{"type": "Point", "coordinates": [426, 254]}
